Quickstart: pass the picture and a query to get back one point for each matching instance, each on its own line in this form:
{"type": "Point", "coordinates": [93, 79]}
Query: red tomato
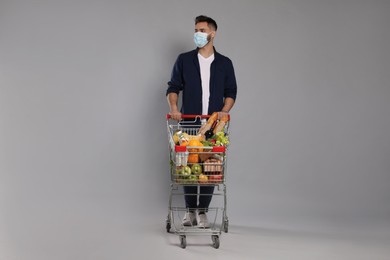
{"type": "Point", "coordinates": [215, 178]}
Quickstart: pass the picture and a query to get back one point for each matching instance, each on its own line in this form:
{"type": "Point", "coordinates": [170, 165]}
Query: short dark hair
{"type": "Point", "coordinates": [210, 21]}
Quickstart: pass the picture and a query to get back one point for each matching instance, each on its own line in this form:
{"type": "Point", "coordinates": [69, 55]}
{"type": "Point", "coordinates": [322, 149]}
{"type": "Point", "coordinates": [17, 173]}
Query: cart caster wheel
{"type": "Point", "coordinates": [168, 223]}
{"type": "Point", "coordinates": [226, 226]}
{"type": "Point", "coordinates": [215, 239]}
{"type": "Point", "coordinates": [183, 242]}
{"type": "Point", "coordinates": [168, 226]}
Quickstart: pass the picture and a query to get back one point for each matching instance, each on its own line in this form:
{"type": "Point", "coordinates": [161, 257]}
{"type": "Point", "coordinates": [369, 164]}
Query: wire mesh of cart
{"type": "Point", "coordinates": [197, 162]}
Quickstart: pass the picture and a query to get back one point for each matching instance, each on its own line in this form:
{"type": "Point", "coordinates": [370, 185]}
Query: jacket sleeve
{"type": "Point", "coordinates": [231, 84]}
{"type": "Point", "coordinates": [175, 85]}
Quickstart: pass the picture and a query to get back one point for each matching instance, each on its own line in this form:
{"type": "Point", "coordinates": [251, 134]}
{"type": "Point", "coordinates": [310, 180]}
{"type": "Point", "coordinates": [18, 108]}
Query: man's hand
{"type": "Point", "coordinates": [172, 102]}
{"type": "Point", "coordinates": [175, 115]}
{"type": "Point", "coordinates": [222, 114]}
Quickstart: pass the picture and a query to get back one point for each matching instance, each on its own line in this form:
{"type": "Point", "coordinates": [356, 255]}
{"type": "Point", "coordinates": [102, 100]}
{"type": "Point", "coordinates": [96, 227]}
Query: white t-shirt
{"type": "Point", "coordinates": [204, 64]}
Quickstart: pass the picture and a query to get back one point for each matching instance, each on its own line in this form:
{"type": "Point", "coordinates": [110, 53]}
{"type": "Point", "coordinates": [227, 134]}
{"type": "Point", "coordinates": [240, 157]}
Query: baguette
{"type": "Point", "coordinates": [221, 124]}
{"type": "Point", "coordinates": [204, 128]}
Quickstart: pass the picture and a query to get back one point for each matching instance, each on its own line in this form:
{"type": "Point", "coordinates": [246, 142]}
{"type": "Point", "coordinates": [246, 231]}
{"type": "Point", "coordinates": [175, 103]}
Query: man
{"type": "Point", "coordinates": [208, 84]}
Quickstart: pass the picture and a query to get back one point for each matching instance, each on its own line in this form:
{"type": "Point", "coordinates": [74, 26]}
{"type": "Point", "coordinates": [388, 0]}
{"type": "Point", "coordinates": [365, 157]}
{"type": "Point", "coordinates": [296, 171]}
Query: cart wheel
{"type": "Point", "coordinates": [226, 226]}
{"type": "Point", "coordinates": [183, 242]}
{"type": "Point", "coordinates": [215, 239]}
{"type": "Point", "coordinates": [168, 223]}
{"type": "Point", "coordinates": [168, 226]}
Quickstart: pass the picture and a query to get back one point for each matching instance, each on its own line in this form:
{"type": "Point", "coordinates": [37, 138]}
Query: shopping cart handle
{"type": "Point", "coordinates": [190, 116]}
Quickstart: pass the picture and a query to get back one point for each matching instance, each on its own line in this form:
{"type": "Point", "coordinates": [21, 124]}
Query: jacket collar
{"type": "Point", "coordinates": [195, 53]}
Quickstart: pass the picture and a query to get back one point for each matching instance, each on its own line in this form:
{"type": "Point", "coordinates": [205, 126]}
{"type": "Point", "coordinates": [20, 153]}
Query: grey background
{"type": "Point", "coordinates": [82, 117]}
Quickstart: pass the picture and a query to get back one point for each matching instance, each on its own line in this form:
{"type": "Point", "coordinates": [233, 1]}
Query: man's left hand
{"type": "Point", "coordinates": [222, 114]}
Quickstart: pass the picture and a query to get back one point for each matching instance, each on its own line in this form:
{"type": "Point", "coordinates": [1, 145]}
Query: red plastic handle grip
{"type": "Point", "coordinates": [190, 116]}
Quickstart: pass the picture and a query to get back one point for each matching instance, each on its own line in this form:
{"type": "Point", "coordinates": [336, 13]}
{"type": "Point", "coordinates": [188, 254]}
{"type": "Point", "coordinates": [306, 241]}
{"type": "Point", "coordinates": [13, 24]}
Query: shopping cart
{"type": "Point", "coordinates": [208, 170]}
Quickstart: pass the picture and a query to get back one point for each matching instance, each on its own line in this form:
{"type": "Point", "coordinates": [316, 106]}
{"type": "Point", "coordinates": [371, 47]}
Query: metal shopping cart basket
{"type": "Point", "coordinates": [197, 164]}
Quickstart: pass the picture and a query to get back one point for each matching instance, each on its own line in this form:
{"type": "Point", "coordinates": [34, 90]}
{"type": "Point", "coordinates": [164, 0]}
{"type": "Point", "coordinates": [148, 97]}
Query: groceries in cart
{"type": "Point", "coordinates": [200, 152]}
{"type": "Point", "coordinates": [212, 133]}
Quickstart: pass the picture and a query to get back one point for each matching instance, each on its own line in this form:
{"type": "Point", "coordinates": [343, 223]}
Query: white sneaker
{"type": "Point", "coordinates": [189, 219]}
{"type": "Point", "coordinates": [203, 222]}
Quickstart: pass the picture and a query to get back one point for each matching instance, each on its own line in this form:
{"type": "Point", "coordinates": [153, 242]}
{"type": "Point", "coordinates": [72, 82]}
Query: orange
{"type": "Point", "coordinates": [193, 158]}
{"type": "Point", "coordinates": [195, 142]}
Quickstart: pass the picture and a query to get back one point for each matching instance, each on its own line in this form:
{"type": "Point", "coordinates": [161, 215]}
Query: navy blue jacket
{"type": "Point", "coordinates": [186, 77]}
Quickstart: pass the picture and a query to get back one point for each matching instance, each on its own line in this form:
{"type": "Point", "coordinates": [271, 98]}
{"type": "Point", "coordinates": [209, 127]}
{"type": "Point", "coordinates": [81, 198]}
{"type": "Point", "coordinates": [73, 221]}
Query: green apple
{"type": "Point", "coordinates": [185, 171]}
{"type": "Point", "coordinates": [196, 169]}
{"type": "Point", "coordinates": [192, 179]}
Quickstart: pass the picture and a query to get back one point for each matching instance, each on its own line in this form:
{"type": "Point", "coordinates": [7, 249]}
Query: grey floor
{"type": "Point", "coordinates": [74, 229]}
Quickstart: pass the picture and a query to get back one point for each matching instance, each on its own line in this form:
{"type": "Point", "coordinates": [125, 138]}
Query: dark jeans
{"type": "Point", "coordinates": [204, 197]}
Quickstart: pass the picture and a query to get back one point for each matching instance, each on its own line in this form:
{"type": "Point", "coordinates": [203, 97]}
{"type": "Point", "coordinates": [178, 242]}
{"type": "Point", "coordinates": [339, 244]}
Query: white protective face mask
{"type": "Point", "coordinates": [200, 39]}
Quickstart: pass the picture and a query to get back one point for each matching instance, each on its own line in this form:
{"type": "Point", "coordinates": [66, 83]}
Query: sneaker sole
{"type": "Point", "coordinates": [202, 226]}
{"type": "Point", "coordinates": [187, 224]}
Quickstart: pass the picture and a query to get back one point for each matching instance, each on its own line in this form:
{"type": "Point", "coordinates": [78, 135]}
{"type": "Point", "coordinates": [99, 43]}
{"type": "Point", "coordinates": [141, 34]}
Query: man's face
{"type": "Point", "coordinates": [203, 27]}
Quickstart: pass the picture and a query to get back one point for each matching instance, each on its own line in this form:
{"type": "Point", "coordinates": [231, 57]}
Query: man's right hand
{"type": "Point", "coordinates": [175, 115]}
